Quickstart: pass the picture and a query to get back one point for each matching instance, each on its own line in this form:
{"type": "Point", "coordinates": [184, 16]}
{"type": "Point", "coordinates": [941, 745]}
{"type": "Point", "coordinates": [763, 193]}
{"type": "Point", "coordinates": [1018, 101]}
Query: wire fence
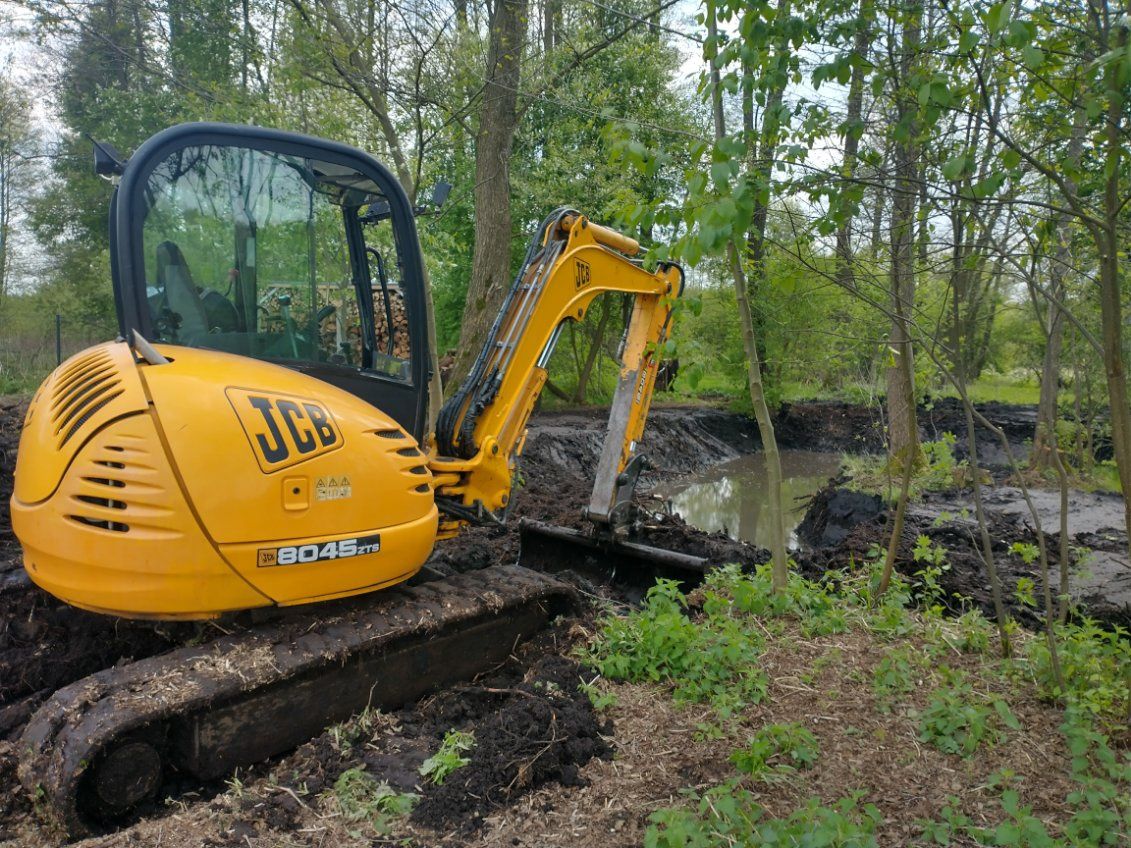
{"type": "Point", "coordinates": [30, 353]}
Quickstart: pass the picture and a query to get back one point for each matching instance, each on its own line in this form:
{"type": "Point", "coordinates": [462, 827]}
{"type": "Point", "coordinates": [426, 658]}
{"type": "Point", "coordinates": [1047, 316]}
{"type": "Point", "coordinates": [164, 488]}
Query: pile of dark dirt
{"type": "Point", "coordinates": [830, 426]}
{"type": "Point", "coordinates": [544, 732]}
{"type": "Point", "coordinates": [834, 511]}
{"type": "Point", "coordinates": [531, 724]}
{"type": "Point", "coordinates": [841, 535]}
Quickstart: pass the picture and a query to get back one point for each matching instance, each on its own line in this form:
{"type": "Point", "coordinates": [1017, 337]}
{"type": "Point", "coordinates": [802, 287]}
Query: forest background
{"type": "Point", "coordinates": [881, 202]}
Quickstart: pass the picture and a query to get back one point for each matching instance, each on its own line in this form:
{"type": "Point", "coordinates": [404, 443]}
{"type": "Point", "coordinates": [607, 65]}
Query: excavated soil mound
{"type": "Point", "coordinates": [842, 534]}
{"type": "Point", "coordinates": [546, 731]}
{"type": "Point", "coordinates": [531, 726]}
{"type": "Point", "coordinates": [833, 513]}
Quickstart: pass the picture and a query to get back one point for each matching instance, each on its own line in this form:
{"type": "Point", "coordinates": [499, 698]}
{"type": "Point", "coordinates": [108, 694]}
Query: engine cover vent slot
{"type": "Point", "coordinates": [108, 503]}
{"type": "Point", "coordinates": [101, 524]}
{"type": "Point", "coordinates": [87, 385]}
{"type": "Point", "coordinates": [389, 434]}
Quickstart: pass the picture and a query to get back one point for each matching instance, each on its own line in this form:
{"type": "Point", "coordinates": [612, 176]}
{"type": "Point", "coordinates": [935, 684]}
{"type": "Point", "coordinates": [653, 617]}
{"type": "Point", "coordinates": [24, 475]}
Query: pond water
{"type": "Point", "coordinates": [733, 497]}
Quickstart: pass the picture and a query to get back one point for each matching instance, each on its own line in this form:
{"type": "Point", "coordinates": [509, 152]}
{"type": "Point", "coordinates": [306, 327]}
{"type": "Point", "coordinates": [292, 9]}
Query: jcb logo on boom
{"type": "Point", "coordinates": [581, 274]}
{"type": "Point", "coordinates": [283, 429]}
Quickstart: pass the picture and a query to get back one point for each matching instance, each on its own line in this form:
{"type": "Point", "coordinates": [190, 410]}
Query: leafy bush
{"type": "Point", "coordinates": [820, 610]}
{"type": "Point", "coordinates": [1101, 798]}
{"type": "Point", "coordinates": [957, 719]}
{"type": "Point", "coordinates": [1094, 662]}
{"type": "Point", "coordinates": [897, 673]}
{"type": "Point", "coordinates": [711, 660]}
{"type": "Point", "coordinates": [775, 750]}
{"type": "Point", "coordinates": [730, 816]}
{"type": "Point", "coordinates": [1099, 801]}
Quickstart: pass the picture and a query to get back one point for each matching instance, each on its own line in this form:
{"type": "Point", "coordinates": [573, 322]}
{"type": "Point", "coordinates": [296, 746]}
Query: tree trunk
{"type": "Point", "coordinates": [902, 421]}
{"type": "Point", "coordinates": [1111, 307]}
{"type": "Point", "coordinates": [498, 120]}
{"type": "Point", "coordinates": [1044, 438]}
{"type": "Point", "coordinates": [753, 361]}
{"type": "Point", "coordinates": [861, 42]}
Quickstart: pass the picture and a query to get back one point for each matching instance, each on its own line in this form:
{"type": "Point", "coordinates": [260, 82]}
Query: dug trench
{"type": "Point", "coordinates": [531, 722]}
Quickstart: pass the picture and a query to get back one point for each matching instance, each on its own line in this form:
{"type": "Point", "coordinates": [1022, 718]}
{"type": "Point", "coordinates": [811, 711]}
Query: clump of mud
{"type": "Point", "coordinates": [545, 732]}
{"type": "Point", "coordinates": [833, 513]}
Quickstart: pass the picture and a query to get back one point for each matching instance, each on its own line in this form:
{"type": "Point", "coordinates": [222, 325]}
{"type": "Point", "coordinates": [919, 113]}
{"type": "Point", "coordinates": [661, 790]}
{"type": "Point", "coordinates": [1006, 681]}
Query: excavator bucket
{"type": "Point", "coordinates": [631, 566]}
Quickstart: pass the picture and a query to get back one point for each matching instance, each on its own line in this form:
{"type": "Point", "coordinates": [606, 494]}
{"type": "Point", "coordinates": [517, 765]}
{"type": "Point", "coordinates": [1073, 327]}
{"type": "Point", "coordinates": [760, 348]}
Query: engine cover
{"type": "Point", "coordinates": [210, 484]}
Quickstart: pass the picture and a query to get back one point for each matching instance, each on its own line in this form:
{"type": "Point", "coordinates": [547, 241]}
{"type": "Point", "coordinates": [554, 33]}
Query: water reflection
{"type": "Point", "coordinates": [732, 497]}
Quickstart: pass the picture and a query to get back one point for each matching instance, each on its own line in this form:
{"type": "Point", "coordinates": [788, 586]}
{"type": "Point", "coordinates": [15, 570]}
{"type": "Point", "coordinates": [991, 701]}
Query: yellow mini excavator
{"type": "Point", "coordinates": [257, 438]}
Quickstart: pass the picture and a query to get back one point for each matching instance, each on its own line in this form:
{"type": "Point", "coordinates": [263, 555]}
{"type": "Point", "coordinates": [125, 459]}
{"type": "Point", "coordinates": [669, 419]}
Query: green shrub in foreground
{"type": "Point", "coordinates": [957, 719]}
{"type": "Point", "coordinates": [712, 660]}
{"type": "Point", "coordinates": [775, 750]}
{"type": "Point", "coordinates": [730, 816]}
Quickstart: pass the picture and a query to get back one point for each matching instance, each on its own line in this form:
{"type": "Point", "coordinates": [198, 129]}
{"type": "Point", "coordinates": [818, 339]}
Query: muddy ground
{"type": "Point", "coordinates": [534, 727]}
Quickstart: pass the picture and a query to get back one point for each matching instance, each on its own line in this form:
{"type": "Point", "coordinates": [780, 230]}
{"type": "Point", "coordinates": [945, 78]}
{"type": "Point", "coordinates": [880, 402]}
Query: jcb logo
{"type": "Point", "coordinates": [581, 273]}
{"type": "Point", "coordinates": [283, 429]}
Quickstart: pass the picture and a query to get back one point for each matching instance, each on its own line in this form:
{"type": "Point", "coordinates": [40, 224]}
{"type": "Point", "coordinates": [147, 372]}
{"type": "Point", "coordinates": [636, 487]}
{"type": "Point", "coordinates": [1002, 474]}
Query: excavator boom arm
{"type": "Point", "coordinates": [480, 431]}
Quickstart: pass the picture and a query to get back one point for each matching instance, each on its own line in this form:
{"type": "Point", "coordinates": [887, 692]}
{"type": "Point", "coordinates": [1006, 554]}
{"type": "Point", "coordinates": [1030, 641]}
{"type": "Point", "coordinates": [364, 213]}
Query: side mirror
{"type": "Point", "coordinates": [108, 162]}
{"type": "Point", "coordinates": [440, 193]}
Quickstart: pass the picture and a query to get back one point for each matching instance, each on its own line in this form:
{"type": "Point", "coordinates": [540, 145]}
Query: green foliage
{"type": "Point", "coordinates": [933, 557]}
{"type": "Point", "coordinates": [898, 673]}
{"type": "Point", "coordinates": [958, 719]}
{"type": "Point", "coordinates": [813, 604]}
{"type": "Point", "coordinates": [974, 632]}
{"type": "Point", "coordinates": [938, 472]}
{"type": "Point", "coordinates": [1099, 801]}
{"type": "Point", "coordinates": [1094, 662]}
{"type": "Point", "coordinates": [600, 700]}
{"type": "Point", "coordinates": [449, 756]}
{"type": "Point", "coordinates": [776, 750]}
{"type": "Point", "coordinates": [710, 660]}
{"type": "Point", "coordinates": [361, 797]}
{"type": "Point", "coordinates": [727, 815]}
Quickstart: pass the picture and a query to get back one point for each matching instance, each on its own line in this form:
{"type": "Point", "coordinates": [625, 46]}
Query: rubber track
{"type": "Point", "coordinates": [195, 684]}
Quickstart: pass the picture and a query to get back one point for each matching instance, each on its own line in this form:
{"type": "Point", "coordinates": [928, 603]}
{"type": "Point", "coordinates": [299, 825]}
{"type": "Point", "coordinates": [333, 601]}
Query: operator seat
{"type": "Point", "coordinates": [180, 294]}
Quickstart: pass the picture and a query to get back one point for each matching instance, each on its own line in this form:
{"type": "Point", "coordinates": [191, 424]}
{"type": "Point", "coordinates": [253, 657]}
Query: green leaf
{"type": "Point", "coordinates": [989, 186]}
{"type": "Point", "coordinates": [1032, 56]}
{"type": "Point", "coordinates": [1010, 158]}
{"type": "Point", "coordinates": [953, 169]}
{"type": "Point", "coordinates": [997, 17]}
{"type": "Point", "coordinates": [1006, 715]}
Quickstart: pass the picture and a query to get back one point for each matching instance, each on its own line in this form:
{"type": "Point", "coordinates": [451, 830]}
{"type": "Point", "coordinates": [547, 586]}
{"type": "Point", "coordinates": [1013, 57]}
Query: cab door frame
{"type": "Point", "coordinates": [404, 401]}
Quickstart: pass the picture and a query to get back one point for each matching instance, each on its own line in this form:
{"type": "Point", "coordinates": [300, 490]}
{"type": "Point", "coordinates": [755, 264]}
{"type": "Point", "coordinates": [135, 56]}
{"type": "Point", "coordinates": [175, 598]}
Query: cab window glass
{"type": "Point", "coordinates": [246, 252]}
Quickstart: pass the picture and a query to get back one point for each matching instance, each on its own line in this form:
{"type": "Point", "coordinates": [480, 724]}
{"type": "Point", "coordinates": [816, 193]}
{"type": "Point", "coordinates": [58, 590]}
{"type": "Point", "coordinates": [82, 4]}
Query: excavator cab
{"type": "Point", "coordinates": [276, 246]}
